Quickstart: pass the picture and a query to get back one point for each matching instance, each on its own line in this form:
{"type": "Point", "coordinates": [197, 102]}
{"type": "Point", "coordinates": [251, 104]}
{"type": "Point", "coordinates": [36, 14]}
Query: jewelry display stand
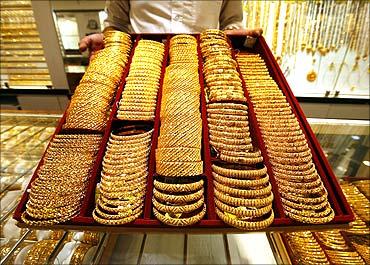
{"type": "Point", "coordinates": [210, 223]}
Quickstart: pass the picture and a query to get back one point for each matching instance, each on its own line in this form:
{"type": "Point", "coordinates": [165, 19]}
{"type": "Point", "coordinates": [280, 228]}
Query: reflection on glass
{"type": "Point", "coordinates": [346, 145]}
{"type": "Point", "coordinates": [22, 57]}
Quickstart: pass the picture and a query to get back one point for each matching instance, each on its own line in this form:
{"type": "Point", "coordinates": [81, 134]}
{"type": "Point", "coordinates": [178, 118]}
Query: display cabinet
{"type": "Point", "coordinates": [25, 137]}
{"type": "Point", "coordinates": [321, 46]}
{"type": "Point", "coordinates": [23, 140]}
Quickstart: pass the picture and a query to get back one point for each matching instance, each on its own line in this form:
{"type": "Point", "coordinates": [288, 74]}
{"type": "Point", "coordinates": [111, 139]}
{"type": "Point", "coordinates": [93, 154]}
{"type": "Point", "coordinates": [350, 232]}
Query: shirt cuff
{"type": "Point", "coordinates": [236, 25]}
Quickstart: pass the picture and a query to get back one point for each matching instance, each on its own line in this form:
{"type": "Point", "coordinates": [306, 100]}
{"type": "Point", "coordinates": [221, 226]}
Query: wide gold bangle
{"type": "Point", "coordinates": [241, 183]}
{"type": "Point", "coordinates": [243, 193]}
{"type": "Point", "coordinates": [167, 219]}
{"type": "Point", "coordinates": [182, 199]}
{"type": "Point", "coordinates": [79, 254]}
{"type": "Point", "coordinates": [246, 202]}
{"type": "Point", "coordinates": [246, 225]}
{"type": "Point", "coordinates": [122, 221]}
{"type": "Point", "coordinates": [176, 188]}
{"type": "Point", "coordinates": [186, 208]}
{"type": "Point", "coordinates": [179, 169]}
{"type": "Point", "coordinates": [240, 173]}
{"type": "Point", "coordinates": [242, 212]}
{"type": "Point", "coordinates": [311, 220]}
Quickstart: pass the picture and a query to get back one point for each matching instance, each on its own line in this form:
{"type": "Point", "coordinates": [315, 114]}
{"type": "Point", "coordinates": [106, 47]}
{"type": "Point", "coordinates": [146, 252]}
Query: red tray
{"type": "Point", "coordinates": [147, 222]}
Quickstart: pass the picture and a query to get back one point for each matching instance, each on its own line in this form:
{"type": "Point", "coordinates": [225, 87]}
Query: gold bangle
{"type": "Point", "coordinates": [246, 225]}
{"type": "Point", "coordinates": [241, 183]}
{"type": "Point", "coordinates": [240, 174]}
{"type": "Point", "coordinates": [179, 169]}
{"type": "Point", "coordinates": [182, 199]}
{"type": "Point", "coordinates": [234, 201]}
{"type": "Point", "coordinates": [243, 193]}
{"type": "Point", "coordinates": [79, 253]}
{"type": "Point", "coordinates": [187, 208]}
{"type": "Point", "coordinates": [122, 221]}
{"type": "Point", "coordinates": [242, 212]}
{"type": "Point", "coordinates": [167, 219]}
{"type": "Point", "coordinates": [177, 188]}
{"type": "Point", "coordinates": [311, 220]}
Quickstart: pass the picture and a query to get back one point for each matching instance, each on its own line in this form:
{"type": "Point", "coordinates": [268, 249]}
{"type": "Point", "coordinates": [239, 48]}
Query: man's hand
{"type": "Point", "coordinates": [93, 43]}
{"type": "Point", "coordinates": [248, 32]}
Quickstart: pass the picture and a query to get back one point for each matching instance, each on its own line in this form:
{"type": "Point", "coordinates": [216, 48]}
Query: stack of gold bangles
{"type": "Point", "coordinates": [332, 240]}
{"type": "Point", "coordinates": [243, 194]}
{"type": "Point", "coordinates": [124, 176]}
{"type": "Point", "coordinates": [79, 254]}
{"type": "Point", "coordinates": [308, 248]}
{"type": "Point", "coordinates": [91, 102]}
{"type": "Point", "coordinates": [56, 194]}
{"type": "Point", "coordinates": [222, 79]}
{"type": "Point", "coordinates": [40, 252]}
{"type": "Point", "coordinates": [139, 96]}
{"type": "Point", "coordinates": [304, 196]}
{"type": "Point", "coordinates": [178, 200]}
{"type": "Point", "coordinates": [305, 248]}
{"type": "Point", "coordinates": [360, 204]}
{"type": "Point", "coordinates": [363, 186]}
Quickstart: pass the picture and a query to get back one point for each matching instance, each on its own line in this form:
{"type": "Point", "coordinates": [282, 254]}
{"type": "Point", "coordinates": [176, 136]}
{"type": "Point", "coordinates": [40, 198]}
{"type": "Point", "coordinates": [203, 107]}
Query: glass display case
{"type": "Point", "coordinates": [24, 137]}
{"type": "Point", "coordinates": [321, 46]}
{"type": "Point", "coordinates": [23, 140]}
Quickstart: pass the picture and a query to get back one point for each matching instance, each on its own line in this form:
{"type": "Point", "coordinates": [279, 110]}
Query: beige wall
{"type": "Point", "coordinates": [77, 5]}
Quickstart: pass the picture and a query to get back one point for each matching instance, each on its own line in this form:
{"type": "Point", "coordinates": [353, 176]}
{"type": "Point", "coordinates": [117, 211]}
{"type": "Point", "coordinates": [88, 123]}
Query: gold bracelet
{"type": "Point", "coordinates": [183, 199]}
{"type": "Point", "coordinates": [246, 225]}
{"type": "Point", "coordinates": [167, 219]}
{"type": "Point", "coordinates": [177, 188]}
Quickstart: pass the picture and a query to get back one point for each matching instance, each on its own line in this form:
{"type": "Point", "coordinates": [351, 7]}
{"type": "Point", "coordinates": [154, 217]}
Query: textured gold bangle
{"type": "Point", "coordinates": [123, 177]}
{"type": "Point", "coordinates": [242, 212]}
{"type": "Point", "coordinates": [243, 124]}
{"type": "Point", "coordinates": [178, 198]}
{"type": "Point", "coordinates": [140, 191]}
{"type": "Point", "coordinates": [179, 154]}
{"type": "Point", "coordinates": [122, 221]}
{"type": "Point", "coordinates": [228, 129]}
{"type": "Point", "coordinates": [225, 134]}
{"type": "Point", "coordinates": [187, 208]}
{"type": "Point", "coordinates": [188, 187]}
{"type": "Point", "coordinates": [230, 147]}
{"type": "Point", "coordinates": [300, 185]}
{"type": "Point", "coordinates": [179, 169]}
{"type": "Point", "coordinates": [180, 221]}
{"type": "Point", "coordinates": [246, 225]}
{"type": "Point", "coordinates": [247, 202]}
{"type": "Point", "coordinates": [79, 254]}
{"type": "Point", "coordinates": [118, 215]}
{"type": "Point", "coordinates": [309, 213]}
{"type": "Point", "coordinates": [311, 220]}
{"type": "Point", "coordinates": [236, 106]}
{"type": "Point", "coordinates": [124, 202]}
{"type": "Point", "coordinates": [303, 192]}
{"type": "Point", "coordinates": [241, 183]}
{"type": "Point", "coordinates": [236, 173]}
{"type": "Point", "coordinates": [304, 200]}
{"type": "Point", "coordinates": [241, 159]}
{"type": "Point", "coordinates": [118, 209]}
{"type": "Point", "coordinates": [244, 193]}
{"type": "Point", "coordinates": [230, 141]}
